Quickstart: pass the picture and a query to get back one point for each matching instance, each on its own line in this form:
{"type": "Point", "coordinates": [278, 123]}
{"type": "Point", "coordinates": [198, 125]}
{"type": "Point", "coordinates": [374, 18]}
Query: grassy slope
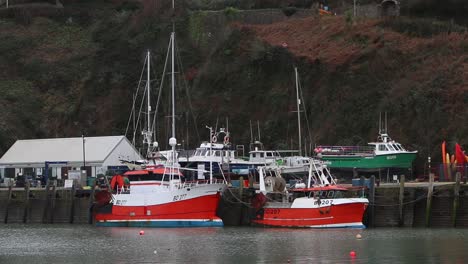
{"type": "Point", "coordinates": [370, 68]}
{"type": "Point", "coordinates": [350, 73]}
{"type": "Point", "coordinates": [60, 78]}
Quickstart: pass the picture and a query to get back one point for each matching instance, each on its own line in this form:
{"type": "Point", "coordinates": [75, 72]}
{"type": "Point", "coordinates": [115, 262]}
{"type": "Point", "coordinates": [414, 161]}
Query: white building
{"type": "Point", "coordinates": [60, 155]}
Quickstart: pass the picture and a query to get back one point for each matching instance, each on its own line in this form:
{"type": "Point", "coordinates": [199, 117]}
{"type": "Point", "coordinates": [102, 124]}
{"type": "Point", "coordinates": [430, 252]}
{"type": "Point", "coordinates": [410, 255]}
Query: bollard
{"type": "Point", "coordinates": [72, 202]}
{"type": "Point", "coordinates": [430, 189]}
{"type": "Point", "coordinates": [91, 202]}
{"type": "Point", "coordinates": [45, 213]}
{"type": "Point", "coordinates": [10, 191]}
{"type": "Point", "coordinates": [371, 213]}
{"type": "Point", "coordinates": [26, 202]}
{"type": "Point", "coordinates": [241, 186]}
{"type": "Point", "coordinates": [456, 199]}
{"type": "Point", "coordinates": [401, 198]}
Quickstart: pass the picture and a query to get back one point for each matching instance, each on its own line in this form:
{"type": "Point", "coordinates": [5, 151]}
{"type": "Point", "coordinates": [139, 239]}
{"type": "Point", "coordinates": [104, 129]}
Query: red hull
{"type": "Point", "coordinates": [202, 208]}
{"type": "Point", "coordinates": [343, 215]}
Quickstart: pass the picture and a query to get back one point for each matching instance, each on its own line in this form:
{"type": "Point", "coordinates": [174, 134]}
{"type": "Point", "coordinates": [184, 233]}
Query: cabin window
{"type": "Point", "coordinates": [401, 147]}
{"type": "Point", "coordinates": [147, 177]}
{"type": "Point", "coordinates": [269, 154]}
{"type": "Point", "coordinates": [218, 153]}
{"type": "Point", "coordinates": [262, 155]}
{"type": "Point", "coordinates": [339, 194]}
{"type": "Point", "coordinates": [330, 194]}
{"type": "Point", "coordinates": [395, 146]}
{"type": "Point", "coordinates": [382, 147]}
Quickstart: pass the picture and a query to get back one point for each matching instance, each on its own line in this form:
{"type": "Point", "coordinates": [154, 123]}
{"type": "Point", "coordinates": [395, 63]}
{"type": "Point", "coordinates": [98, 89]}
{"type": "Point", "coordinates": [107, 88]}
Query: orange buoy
{"type": "Point", "coordinates": [142, 232]}
{"type": "Point", "coordinates": [352, 253]}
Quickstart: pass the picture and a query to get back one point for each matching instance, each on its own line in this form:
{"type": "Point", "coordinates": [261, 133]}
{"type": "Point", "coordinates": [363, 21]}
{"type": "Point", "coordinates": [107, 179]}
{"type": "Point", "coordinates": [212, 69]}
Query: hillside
{"type": "Point", "coordinates": [76, 71]}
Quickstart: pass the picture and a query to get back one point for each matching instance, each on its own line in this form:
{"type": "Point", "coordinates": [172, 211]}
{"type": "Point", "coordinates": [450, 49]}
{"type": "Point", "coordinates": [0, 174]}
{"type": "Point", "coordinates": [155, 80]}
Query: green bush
{"type": "Point", "coordinates": [421, 27]}
{"type": "Point", "coordinates": [349, 17]}
{"type": "Point", "coordinates": [231, 11]}
{"type": "Point", "coordinates": [129, 6]}
{"type": "Point", "coordinates": [196, 23]}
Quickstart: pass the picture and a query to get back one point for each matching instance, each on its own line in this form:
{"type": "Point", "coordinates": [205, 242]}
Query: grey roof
{"type": "Point", "coordinates": [60, 149]}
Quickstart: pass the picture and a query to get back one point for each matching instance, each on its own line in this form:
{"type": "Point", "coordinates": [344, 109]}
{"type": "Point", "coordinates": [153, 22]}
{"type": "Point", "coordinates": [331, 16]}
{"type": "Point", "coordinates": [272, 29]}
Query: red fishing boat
{"type": "Point", "coordinates": [319, 204]}
{"type": "Point", "coordinates": [158, 197]}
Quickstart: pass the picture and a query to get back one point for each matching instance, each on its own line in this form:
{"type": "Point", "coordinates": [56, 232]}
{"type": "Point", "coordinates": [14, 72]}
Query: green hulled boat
{"type": "Point", "coordinates": [385, 153]}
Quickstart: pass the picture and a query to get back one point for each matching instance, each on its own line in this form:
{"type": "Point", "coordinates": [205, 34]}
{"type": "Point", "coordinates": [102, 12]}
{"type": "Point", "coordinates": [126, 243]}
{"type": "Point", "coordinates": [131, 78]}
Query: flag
{"type": "Point", "coordinates": [460, 157]}
{"type": "Point", "coordinates": [459, 154]}
{"type": "Point", "coordinates": [444, 160]}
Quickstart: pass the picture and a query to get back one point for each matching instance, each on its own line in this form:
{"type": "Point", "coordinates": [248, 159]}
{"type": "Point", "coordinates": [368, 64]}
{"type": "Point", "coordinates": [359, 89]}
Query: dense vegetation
{"type": "Point", "coordinates": [75, 70]}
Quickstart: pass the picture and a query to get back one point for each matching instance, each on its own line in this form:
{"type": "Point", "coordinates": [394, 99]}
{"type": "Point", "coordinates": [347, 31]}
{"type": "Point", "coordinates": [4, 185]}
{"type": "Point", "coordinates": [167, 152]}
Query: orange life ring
{"type": "Point", "coordinates": [214, 139]}
{"type": "Point", "coordinates": [226, 139]}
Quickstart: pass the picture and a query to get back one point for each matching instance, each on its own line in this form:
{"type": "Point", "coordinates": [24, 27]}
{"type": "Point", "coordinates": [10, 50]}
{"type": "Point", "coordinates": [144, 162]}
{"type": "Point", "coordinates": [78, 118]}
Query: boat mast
{"type": "Point", "coordinates": [380, 123]}
{"type": "Point", "coordinates": [251, 132]}
{"type": "Point", "coordinates": [211, 154]}
{"type": "Point", "coordinates": [298, 111]}
{"type": "Point", "coordinates": [386, 127]}
{"type": "Point", "coordinates": [148, 98]}
{"type": "Point", "coordinates": [258, 128]}
{"type": "Point", "coordinates": [383, 128]}
{"type": "Point", "coordinates": [386, 131]}
{"type": "Point", "coordinates": [173, 140]}
{"type": "Point", "coordinates": [173, 85]}
{"type": "Point", "coordinates": [133, 120]}
{"type": "Point", "coordinates": [147, 134]}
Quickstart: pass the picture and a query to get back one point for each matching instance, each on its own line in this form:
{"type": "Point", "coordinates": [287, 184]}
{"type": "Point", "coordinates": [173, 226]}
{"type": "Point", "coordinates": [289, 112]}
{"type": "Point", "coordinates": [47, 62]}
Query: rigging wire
{"type": "Point", "coordinates": [189, 99]}
{"type": "Point", "coordinates": [161, 88]}
{"type": "Point", "coordinates": [135, 98]}
{"type": "Point", "coordinates": [134, 104]}
{"type": "Point", "coordinates": [305, 112]}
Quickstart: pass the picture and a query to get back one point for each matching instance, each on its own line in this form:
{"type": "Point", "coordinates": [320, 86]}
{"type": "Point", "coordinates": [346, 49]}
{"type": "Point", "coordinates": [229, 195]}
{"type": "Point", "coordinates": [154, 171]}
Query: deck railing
{"type": "Point", "coordinates": [188, 184]}
{"type": "Point", "coordinates": [344, 150]}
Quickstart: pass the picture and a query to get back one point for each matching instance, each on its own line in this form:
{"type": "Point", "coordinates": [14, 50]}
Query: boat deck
{"type": "Point", "coordinates": [345, 150]}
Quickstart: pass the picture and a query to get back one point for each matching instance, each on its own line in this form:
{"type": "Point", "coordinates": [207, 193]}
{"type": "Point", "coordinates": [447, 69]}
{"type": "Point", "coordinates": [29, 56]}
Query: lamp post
{"type": "Point", "coordinates": [84, 151]}
{"type": "Point", "coordinates": [429, 165]}
{"type": "Point", "coordinates": [210, 155]}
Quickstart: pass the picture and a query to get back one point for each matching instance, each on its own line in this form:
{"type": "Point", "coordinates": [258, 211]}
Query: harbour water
{"type": "Point", "coordinates": [89, 244]}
